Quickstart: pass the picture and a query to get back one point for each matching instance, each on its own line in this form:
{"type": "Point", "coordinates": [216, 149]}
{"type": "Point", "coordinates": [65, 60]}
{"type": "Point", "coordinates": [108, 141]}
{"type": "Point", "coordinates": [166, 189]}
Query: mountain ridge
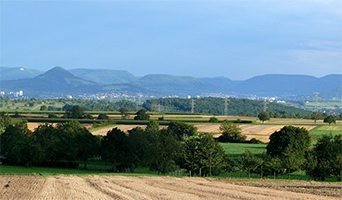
{"type": "Point", "coordinates": [60, 80]}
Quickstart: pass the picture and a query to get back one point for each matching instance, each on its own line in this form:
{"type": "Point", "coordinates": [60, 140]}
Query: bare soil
{"type": "Point", "coordinates": [125, 187]}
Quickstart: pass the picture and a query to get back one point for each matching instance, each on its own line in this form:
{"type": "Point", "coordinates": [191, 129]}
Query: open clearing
{"type": "Point", "coordinates": [125, 187]}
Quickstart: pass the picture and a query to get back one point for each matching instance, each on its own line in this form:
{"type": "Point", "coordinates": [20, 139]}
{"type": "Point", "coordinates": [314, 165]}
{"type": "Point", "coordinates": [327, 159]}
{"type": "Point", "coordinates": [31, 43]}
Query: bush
{"type": "Point", "coordinates": [52, 116]}
{"type": "Point", "coordinates": [213, 120]}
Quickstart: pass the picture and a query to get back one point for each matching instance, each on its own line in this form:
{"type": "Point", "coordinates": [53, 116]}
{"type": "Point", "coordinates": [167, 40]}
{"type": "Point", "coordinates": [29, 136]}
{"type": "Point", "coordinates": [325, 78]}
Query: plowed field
{"type": "Point", "coordinates": [124, 187]}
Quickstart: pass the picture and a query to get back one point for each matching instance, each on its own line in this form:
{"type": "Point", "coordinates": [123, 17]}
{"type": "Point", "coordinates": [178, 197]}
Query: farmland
{"type": "Point", "coordinates": [123, 187]}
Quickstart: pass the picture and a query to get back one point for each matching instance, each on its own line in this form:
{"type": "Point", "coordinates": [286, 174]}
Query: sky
{"type": "Point", "coordinates": [236, 39]}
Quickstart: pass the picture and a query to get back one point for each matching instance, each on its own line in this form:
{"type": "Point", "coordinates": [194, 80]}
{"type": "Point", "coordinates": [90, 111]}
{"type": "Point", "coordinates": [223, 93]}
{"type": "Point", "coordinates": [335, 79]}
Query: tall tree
{"type": "Point", "coordinates": [202, 155]}
{"type": "Point", "coordinates": [165, 152]}
{"type": "Point", "coordinates": [231, 132]}
{"type": "Point", "coordinates": [142, 115]}
{"type": "Point", "coordinates": [330, 119]}
{"type": "Point", "coordinates": [115, 147]}
{"type": "Point", "coordinates": [263, 116]}
{"type": "Point", "coordinates": [289, 145]}
{"type": "Point", "coordinates": [181, 129]}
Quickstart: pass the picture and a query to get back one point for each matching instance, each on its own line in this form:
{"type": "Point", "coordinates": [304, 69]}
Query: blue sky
{"type": "Point", "coordinates": [236, 39]}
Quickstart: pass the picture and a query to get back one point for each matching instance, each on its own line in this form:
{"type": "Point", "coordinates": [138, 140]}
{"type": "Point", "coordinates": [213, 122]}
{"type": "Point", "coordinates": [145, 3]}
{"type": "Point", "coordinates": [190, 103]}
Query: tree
{"type": "Point", "coordinates": [115, 147]}
{"type": "Point", "coordinates": [5, 121]}
{"type": "Point", "coordinates": [140, 145]}
{"type": "Point", "coordinates": [213, 120]}
{"type": "Point", "coordinates": [330, 119]}
{"type": "Point", "coordinates": [202, 155]}
{"type": "Point", "coordinates": [181, 129]}
{"type": "Point", "coordinates": [88, 145]}
{"type": "Point", "coordinates": [316, 116]}
{"type": "Point", "coordinates": [231, 132]}
{"type": "Point", "coordinates": [289, 145]}
{"type": "Point", "coordinates": [248, 162]}
{"type": "Point", "coordinates": [124, 113]}
{"type": "Point", "coordinates": [20, 146]}
{"type": "Point", "coordinates": [229, 165]}
{"type": "Point", "coordinates": [102, 116]}
{"type": "Point", "coordinates": [165, 152]}
{"type": "Point", "coordinates": [274, 164]}
{"type": "Point", "coordinates": [152, 127]}
{"type": "Point", "coordinates": [43, 108]}
{"type": "Point", "coordinates": [263, 116]}
{"type": "Point", "coordinates": [324, 159]}
{"type": "Point", "coordinates": [76, 112]}
{"type": "Point", "coordinates": [52, 115]}
{"type": "Point", "coordinates": [142, 115]}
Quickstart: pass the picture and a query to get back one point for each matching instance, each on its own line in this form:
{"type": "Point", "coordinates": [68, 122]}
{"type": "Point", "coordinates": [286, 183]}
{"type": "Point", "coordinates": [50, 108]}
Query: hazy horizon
{"type": "Point", "coordinates": [233, 39]}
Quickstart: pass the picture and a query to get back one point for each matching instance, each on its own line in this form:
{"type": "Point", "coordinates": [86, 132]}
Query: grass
{"type": "Point", "coordinates": [322, 130]}
{"type": "Point", "coordinates": [235, 150]}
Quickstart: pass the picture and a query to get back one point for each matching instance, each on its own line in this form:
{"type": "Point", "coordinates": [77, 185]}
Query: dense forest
{"type": "Point", "coordinates": [211, 105]}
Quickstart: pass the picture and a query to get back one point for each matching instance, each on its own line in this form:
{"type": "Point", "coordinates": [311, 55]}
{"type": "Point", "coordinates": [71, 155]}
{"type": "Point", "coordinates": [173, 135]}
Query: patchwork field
{"type": "Point", "coordinates": [124, 187]}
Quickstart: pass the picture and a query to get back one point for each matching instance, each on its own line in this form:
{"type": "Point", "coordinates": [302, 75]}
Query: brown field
{"type": "Point", "coordinates": [34, 125]}
{"type": "Point", "coordinates": [261, 132]}
{"type": "Point", "coordinates": [124, 187]}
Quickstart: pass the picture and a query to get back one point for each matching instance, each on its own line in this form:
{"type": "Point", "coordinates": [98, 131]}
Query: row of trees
{"type": "Point", "coordinates": [177, 147]}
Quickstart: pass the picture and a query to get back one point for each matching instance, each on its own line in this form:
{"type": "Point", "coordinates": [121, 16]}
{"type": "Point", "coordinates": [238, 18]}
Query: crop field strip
{"type": "Point", "coordinates": [123, 187]}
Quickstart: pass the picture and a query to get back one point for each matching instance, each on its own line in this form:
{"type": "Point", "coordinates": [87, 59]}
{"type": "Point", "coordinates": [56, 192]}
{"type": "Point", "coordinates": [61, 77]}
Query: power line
{"type": "Point", "coordinates": [192, 106]}
{"type": "Point", "coordinates": [226, 106]}
{"type": "Point", "coordinates": [265, 105]}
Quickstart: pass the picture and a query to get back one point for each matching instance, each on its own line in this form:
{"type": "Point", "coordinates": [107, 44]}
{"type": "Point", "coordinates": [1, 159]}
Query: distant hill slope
{"type": "Point", "coordinates": [55, 81]}
{"type": "Point", "coordinates": [16, 73]}
{"type": "Point", "coordinates": [174, 85]}
{"type": "Point", "coordinates": [104, 76]}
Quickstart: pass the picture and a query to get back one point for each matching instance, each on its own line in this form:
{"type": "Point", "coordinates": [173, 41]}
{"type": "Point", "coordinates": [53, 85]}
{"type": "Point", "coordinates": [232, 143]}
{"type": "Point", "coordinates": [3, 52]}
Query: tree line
{"type": "Point", "coordinates": [179, 146]}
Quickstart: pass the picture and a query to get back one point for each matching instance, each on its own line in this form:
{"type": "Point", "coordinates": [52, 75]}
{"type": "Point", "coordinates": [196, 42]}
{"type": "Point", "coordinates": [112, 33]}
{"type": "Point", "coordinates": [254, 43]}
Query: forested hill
{"type": "Point", "coordinates": [213, 105]}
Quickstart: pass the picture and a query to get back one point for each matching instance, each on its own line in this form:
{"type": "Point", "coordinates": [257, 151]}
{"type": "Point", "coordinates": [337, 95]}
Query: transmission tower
{"type": "Point", "coordinates": [316, 101]}
{"type": "Point", "coordinates": [265, 105]}
{"type": "Point", "coordinates": [226, 106]}
{"type": "Point", "coordinates": [158, 107]}
{"type": "Point", "coordinates": [192, 106]}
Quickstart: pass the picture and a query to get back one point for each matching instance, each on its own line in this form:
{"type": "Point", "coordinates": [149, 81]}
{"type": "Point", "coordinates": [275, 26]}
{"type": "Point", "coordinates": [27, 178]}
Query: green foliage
{"type": "Point", "coordinates": [316, 116]}
{"type": "Point", "coordinates": [76, 112]}
{"type": "Point", "coordinates": [164, 153]}
{"type": "Point", "coordinates": [231, 132]}
{"type": "Point", "coordinates": [142, 115]}
{"type": "Point", "coordinates": [202, 155]}
{"type": "Point", "coordinates": [152, 127]}
{"type": "Point", "coordinates": [263, 116]}
{"type": "Point", "coordinates": [330, 119]}
{"type": "Point", "coordinates": [5, 121]}
{"type": "Point", "coordinates": [43, 108]}
{"type": "Point", "coordinates": [248, 162]}
{"type": "Point", "coordinates": [124, 113]}
{"type": "Point", "coordinates": [213, 120]}
{"type": "Point", "coordinates": [52, 115]}
{"type": "Point", "coordinates": [18, 144]}
{"type": "Point", "coordinates": [115, 147]}
{"type": "Point", "coordinates": [181, 129]}
{"type": "Point", "coordinates": [213, 105]}
{"type": "Point", "coordinates": [102, 116]}
{"type": "Point", "coordinates": [325, 159]}
{"type": "Point", "coordinates": [290, 145]}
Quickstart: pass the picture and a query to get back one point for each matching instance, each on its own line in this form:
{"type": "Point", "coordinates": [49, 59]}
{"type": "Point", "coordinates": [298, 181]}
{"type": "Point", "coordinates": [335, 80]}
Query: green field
{"type": "Point", "coordinates": [322, 130]}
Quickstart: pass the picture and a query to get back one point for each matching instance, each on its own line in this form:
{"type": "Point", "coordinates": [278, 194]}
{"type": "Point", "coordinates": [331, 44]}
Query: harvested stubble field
{"type": "Point", "coordinates": [33, 125]}
{"type": "Point", "coordinates": [125, 187]}
{"type": "Point", "coordinates": [261, 132]}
